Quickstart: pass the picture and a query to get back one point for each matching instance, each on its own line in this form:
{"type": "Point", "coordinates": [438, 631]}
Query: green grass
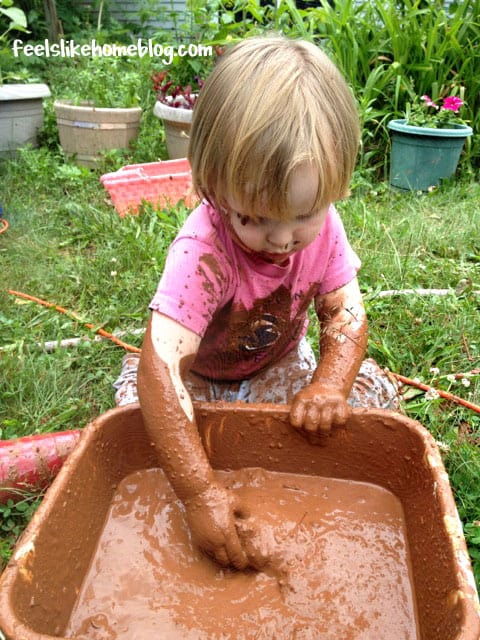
{"type": "Point", "coordinates": [67, 245]}
{"type": "Point", "coordinates": [13, 515]}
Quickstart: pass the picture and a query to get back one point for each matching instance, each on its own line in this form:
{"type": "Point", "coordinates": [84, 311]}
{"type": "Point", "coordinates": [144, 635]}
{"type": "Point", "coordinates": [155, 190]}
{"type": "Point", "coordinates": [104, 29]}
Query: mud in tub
{"type": "Point", "coordinates": [362, 535]}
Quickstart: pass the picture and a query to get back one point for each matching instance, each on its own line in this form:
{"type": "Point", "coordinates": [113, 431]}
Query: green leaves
{"type": "Point", "coordinates": [16, 18]}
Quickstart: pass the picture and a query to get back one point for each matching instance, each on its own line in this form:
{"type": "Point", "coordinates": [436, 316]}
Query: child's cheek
{"type": "Point", "coordinates": [255, 239]}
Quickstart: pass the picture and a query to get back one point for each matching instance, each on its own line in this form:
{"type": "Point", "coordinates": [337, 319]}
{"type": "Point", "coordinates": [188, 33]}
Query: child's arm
{"type": "Point", "coordinates": [167, 352]}
{"type": "Point", "coordinates": [343, 342]}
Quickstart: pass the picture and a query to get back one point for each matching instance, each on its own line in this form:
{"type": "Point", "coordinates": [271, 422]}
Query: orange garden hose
{"type": "Point", "coordinates": [73, 315]}
{"type": "Point", "coordinates": [446, 395]}
{"type": "Point", "coordinates": [3, 225]}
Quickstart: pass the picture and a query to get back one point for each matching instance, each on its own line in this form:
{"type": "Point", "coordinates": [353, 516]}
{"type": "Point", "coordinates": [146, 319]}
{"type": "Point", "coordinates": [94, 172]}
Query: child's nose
{"type": "Point", "coordinates": [280, 235]}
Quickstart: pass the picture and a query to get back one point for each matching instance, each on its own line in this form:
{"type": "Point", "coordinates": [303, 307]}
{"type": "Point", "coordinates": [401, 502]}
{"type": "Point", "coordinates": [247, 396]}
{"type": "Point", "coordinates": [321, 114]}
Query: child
{"type": "Point", "coordinates": [274, 139]}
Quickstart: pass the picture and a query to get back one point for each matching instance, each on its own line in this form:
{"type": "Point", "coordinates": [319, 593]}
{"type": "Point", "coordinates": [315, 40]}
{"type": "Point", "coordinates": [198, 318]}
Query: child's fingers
{"type": "Point", "coordinates": [308, 416]}
{"type": "Point", "coordinates": [229, 553]}
{"type": "Point", "coordinates": [315, 416]}
{"type": "Point", "coordinates": [297, 414]}
{"type": "Point", "coordinates": [343, 413]}
{"type": "Point", "coordinates": [331, 415]}
{"type": "Point", "coordinates": [235, 554]}
{"type": "Point", "coordinates": [220, 555]}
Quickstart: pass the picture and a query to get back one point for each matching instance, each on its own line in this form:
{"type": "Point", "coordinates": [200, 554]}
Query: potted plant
{"type": "Point", "coordinates": [177, 88]}
{"type": "Point", "coordinates": [21, 100]}
{"type": "Point", "coordinates": [427, 143]}
{"type": "Point", "coordinates": [99, 109]}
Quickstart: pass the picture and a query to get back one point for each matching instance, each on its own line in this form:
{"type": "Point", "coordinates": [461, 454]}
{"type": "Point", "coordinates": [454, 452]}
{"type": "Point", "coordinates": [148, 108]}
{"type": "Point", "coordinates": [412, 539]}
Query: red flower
{"type": "Point", "coordinates": [452, 103]}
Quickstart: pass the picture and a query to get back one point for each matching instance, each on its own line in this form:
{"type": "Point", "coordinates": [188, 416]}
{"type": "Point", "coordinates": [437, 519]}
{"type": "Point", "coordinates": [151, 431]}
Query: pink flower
{"type": "Point", "coordinates": [429, 102]}
{"type": "Point", "coordinates": [452, 103]}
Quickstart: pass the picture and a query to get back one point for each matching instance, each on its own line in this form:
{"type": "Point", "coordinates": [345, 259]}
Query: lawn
{"type": "Point", "coordinates": [67, 245]}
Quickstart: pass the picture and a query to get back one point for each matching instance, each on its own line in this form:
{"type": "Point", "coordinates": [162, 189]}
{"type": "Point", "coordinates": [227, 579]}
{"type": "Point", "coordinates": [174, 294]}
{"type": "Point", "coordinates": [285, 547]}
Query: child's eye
{"type": "Point", "coordinates": [243, 219]}
{"type": "Point", "coordinates": [249, 220]}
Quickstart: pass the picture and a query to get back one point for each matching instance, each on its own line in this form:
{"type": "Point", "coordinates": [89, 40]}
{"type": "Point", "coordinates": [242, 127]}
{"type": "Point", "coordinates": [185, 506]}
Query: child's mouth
{"type": "Point", "coordinates": [275, 257]}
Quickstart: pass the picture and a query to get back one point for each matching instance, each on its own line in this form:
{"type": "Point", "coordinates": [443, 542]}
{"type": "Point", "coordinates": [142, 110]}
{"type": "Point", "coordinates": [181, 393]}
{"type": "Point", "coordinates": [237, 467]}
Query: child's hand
{"type": "Point", "coordinates": [318, 407]}
{"type": "Point", "coordinates": [211, 517]}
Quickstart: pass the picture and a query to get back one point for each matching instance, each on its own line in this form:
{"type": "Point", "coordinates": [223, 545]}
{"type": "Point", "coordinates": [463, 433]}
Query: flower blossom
{"type": "Point", "coordinates": [452, 103]}
{"type": "Point", "coordinates": [432, 394]}
{"type": "Point", "coordinates": [443, 446]}
{"type": "Point", "coordinates": [429, 102]}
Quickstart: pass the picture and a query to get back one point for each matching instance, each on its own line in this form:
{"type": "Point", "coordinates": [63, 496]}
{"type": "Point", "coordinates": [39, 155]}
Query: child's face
{"type": "Point", "coordinates": [276, 239]}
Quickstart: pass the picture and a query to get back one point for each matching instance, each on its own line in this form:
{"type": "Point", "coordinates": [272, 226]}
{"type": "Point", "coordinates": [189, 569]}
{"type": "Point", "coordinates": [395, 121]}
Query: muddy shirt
{"type": "Point", "coordinates": [248, 311]}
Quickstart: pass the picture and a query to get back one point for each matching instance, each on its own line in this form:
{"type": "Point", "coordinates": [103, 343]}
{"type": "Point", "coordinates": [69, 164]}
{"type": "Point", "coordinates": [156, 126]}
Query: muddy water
{"type": "Point", "coordinates": [338, 566]}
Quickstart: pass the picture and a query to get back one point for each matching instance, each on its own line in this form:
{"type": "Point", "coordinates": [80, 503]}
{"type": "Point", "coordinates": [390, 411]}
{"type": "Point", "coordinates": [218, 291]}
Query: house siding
{"type": "Point", "coordinates": [127, 11]}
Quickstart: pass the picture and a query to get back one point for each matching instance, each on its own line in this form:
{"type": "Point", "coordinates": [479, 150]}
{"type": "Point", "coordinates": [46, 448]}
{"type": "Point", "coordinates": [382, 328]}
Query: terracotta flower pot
{"type": "Point", "coordinates": [422, 156]}
{"type": "Point", "coordinates": [177, 123]}
{"type": "Point", "coordinates": [86, 131]}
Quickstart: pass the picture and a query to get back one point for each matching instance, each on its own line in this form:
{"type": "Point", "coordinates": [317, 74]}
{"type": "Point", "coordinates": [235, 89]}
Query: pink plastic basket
{"type": "Point", "coordinates": [161, 183]}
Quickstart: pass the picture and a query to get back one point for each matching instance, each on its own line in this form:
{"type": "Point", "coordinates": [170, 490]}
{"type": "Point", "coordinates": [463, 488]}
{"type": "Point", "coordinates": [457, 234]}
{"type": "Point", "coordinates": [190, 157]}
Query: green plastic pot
{"type": "Point", "coordinates": [421, 156]}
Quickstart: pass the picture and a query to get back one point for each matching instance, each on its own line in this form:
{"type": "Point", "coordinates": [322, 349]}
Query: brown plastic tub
{"type": "Point", "coordinates": [39, 587]}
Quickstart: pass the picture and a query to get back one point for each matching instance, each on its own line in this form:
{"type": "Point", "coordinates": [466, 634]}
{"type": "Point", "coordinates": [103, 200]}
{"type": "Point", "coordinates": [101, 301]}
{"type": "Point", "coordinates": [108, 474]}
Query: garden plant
{"type": "Point", "coordinates": [421, 253]}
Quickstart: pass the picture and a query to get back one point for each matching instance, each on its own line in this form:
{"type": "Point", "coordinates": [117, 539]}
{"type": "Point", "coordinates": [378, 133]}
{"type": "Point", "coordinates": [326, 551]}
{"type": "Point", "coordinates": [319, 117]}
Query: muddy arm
{"type": "Point", "coordinates": [343, 338]}
{"type": "Point", "coordinates": [167, 409]}
{"type": "Point", "coordinates": [343, 342]}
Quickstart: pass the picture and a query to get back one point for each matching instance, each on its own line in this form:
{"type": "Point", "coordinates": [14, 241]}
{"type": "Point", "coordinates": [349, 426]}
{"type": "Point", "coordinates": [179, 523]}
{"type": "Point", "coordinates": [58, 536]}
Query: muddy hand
{"type": "Point", "coordinates": [257, 533]}
{"type": "Point", "coordinates": [318, 407]}
{"type": "Point", "coordinates": [211, 517]}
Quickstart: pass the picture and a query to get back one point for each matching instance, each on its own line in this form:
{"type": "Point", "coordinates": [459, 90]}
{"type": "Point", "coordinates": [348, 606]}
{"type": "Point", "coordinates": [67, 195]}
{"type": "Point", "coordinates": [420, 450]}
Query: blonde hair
{"type": "Point", "coordinates": [270, 105]}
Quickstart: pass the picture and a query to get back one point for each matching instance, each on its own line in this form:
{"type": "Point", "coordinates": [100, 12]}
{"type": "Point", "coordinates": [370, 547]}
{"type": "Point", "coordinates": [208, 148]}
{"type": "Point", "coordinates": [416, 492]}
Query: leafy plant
{"type": "Point", "coordinates": [104, 82]}
{"type": "Point", "coordinates": [14, 18]}
{"type": "Point", "coordinates": [173, 93]}
{"type": "Point", "coordinates": [390, 52]}
{"type": "Point", "coordinates": [178, 83]}
{"type": "Point", "coordinates": [14, 515]}
{"type": "Point", "coordinates": [434, 115]}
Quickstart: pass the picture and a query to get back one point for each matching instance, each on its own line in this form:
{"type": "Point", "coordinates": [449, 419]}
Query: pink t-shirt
{"type": "Point", "coordinates": [248, 312]}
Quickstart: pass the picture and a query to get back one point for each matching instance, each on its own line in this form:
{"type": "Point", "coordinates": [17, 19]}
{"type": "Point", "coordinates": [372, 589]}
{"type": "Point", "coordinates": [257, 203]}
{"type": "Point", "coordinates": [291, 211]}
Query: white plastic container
{"type": "Point", "coordinates": [21, 115]}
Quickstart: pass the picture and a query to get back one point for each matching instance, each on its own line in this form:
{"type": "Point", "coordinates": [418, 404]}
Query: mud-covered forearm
{"type": "Point", "coordinates": [170, 424]}
{"type": "Point", "coordinates": [169, 419]}
{"type": "Point", "coordinates": [343, 342]}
